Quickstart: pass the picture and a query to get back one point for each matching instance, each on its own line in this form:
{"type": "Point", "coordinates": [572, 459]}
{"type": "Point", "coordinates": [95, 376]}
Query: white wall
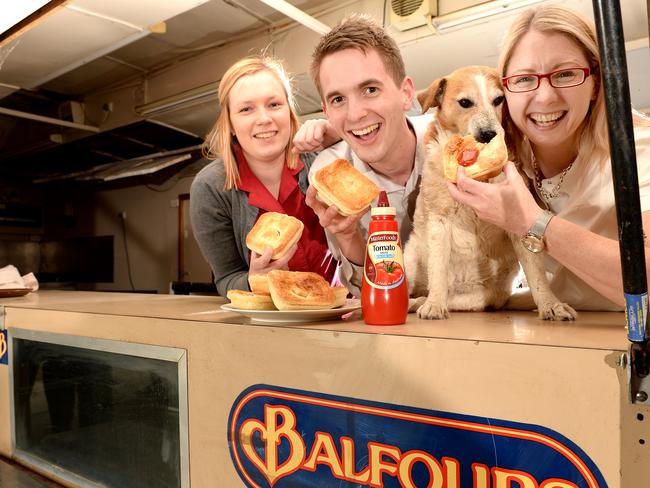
{"type": "Point", "coordinates": [151, 230]}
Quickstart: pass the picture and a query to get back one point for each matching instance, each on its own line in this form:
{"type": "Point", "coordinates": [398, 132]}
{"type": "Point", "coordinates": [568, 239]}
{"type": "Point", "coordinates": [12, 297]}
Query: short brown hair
{"type": "Point", "coordinates": [219, 142]}
{"type": "Point", "coordinates": [362, 32]}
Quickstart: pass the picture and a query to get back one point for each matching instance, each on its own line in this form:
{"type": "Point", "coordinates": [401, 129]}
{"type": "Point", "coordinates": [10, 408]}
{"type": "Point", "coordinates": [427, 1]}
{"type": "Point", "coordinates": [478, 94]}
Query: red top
{"type": "Point", "coordinates": [312, 253]}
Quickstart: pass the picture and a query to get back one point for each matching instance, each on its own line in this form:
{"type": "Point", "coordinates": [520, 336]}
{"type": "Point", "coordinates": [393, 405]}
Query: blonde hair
{"type": "Point", "coordinates": [593, 143]}
{"type": "Point", "coordinates": [362, 32]}
{"type": "Point", "coordinates": [219, 141]}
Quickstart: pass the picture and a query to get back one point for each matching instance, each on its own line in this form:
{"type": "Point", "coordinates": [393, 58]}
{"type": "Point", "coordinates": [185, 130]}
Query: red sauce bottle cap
{"type": "Point", "coordinates": [383, 206]}
{"type": "Point", "coordinates": [383, 199]}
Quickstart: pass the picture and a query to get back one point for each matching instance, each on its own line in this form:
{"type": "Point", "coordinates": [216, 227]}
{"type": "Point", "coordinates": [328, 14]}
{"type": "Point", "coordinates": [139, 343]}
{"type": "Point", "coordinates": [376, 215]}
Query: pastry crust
{"type": "Point", "coordinates": [275, 230]}
{"type": "Point", "coordinates": [298, 290]}
{"type": "Point", "coordinates": [341, 184]}
{"type": "Point", "coordinates": [248, 300]}
{"type": "Point", "coordinates": [489, 158]}
{"type": "Point", "coordinates": [259, 283]}
{"type": "Point", "coordinates": [340, 296]}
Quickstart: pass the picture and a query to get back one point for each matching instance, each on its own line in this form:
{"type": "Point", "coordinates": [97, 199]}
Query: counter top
{"type": "Point", "coordinates": [592, 330]}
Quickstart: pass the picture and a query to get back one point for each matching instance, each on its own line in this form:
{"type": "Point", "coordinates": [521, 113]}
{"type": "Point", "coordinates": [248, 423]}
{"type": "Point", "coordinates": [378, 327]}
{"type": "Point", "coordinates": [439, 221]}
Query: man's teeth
{"type": "Point", "coordinates": [367, 130]}
{"type": "Point", "coordinates": [546, 118]}
{"type": "Point", "coordinates": [265, 135]}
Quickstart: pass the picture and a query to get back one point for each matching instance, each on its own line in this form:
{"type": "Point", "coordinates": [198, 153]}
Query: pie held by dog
{"type": "Point", "coordinates": [299, 290]}
{"type": "Point", "coordinates": [275, 230]}
{"type": "Point", "coordinates": [341, 184]}
{"type": "Point", "coordinates": [481, 161]}
{"type": "Point", "coordinates": [248, 300]}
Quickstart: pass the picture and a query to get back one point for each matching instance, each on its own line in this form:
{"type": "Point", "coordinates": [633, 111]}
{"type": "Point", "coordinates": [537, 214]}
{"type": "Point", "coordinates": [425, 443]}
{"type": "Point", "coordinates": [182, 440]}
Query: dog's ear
{"type": "Point", "coordinates": [432, 96]}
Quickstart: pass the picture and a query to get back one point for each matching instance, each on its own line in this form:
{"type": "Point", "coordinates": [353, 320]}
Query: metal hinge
{"type": "Point", "coordinates": [638, 372]}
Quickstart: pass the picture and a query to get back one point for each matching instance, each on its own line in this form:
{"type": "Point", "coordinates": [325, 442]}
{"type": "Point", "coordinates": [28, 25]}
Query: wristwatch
{"type": "Point", "coordinates": [534, 239]}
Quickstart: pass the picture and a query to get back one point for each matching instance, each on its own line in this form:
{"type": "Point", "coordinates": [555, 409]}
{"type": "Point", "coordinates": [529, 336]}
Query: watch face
{"type": "Point", "coordinates": [533, 243]}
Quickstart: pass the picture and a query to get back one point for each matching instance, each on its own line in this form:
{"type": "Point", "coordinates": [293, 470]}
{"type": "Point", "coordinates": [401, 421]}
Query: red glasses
{"type": "Point", "coordinates": [562, 78]}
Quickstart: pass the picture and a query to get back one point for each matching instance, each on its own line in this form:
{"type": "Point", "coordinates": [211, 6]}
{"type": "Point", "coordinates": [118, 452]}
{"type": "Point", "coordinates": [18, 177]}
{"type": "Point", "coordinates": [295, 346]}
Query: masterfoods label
{"type": "Point", "coordinates": [384, 266]}
{"type": "Point", "coordinates": [280, 437]}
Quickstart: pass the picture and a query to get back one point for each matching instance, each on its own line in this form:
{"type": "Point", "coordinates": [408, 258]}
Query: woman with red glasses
{"type": "Point", "coordinates": [557, 123]}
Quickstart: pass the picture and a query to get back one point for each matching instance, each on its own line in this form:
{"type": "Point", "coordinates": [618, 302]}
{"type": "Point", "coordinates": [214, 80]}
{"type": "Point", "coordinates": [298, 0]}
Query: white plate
{"type": "Point", "coordinates": [294, 316]}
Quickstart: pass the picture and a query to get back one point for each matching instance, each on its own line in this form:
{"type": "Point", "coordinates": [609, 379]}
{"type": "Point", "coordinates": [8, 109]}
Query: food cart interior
{"type": "Point", "coordinates": [123, 370]}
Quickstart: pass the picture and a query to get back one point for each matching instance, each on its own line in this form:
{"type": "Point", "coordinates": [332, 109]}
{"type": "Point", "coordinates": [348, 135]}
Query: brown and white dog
{"type": "Point", "coordinates": [454, 261]}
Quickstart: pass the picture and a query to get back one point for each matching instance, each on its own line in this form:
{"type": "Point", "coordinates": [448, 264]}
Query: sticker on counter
{"type": "Point", "coordinates": [285, 438]}
{"type": "Point", "coordinates": [636, 312]}
{"type": "Point", "coordinates": [4, 347]}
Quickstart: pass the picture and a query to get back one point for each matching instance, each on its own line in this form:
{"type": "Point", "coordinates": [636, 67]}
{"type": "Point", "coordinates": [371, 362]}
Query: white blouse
{"type": "Point", "coordinates": [586, 198]}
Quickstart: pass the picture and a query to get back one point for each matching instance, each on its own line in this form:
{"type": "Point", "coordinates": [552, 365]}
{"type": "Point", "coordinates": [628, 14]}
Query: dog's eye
{"type": "Point", "coordinates": [497, 101]}
{"type": "Point", "coordinates": [465, 103]}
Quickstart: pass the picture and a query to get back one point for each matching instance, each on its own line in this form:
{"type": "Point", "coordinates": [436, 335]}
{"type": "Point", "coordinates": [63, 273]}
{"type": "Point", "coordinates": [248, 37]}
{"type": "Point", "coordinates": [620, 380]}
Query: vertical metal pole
{"type": "Point", "coordinates": [609, 27]}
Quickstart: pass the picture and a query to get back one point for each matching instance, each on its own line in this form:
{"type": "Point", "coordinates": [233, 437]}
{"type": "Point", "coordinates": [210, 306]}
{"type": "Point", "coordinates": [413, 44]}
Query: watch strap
{"type": "Point", "coordinates": [539, 227]}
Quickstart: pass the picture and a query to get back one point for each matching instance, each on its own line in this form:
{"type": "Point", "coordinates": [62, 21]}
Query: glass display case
{"type": "Point", "coordinates": [99, 412]}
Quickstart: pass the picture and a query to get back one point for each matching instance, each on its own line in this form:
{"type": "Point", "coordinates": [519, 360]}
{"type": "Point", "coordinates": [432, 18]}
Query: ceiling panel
{"type": "Point", "coordinates": [89, 77]}
{"type": "Point", "coordinates": [148, 52]}
{"type": "Point", "coordinates": [81, 32]}
{"type": "Point", "coordinates": [140, 12]}
{"type": "Point", "coordinates": [63, 39]}
{"type": "Point", "coordinates": [211, 17]}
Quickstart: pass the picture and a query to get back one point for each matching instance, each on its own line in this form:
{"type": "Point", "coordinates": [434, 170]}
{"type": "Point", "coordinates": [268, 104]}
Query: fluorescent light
{"type": "Point", "coordinates": [298, 15]}
{"type": "Point", "coordinates": [480, 12]}
{"type": "Point", "coordinates": [14, 12]}
{"type": "Point", "coordinates": [201, 94]}
{"type": "Point", "coordinates": [16, 18]}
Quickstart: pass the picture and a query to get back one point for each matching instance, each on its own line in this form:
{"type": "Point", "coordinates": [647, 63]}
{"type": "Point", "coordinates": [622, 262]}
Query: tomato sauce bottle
{"type": "Point", "coordinates": [384, 291]}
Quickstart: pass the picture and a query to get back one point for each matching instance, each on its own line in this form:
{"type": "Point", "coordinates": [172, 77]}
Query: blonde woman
{"type": "Point", "coordinates": [255, 171]}
{"type": "Point", "coordinates": [556, 117]}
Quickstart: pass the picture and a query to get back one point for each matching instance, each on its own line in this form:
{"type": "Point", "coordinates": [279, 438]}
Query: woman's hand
{"type": "Point", "coordinates": [261, 263]}
{"type": "Point", "coordinates": [506, 203]}
{"type": "Point", "coordinates": [314, 135]}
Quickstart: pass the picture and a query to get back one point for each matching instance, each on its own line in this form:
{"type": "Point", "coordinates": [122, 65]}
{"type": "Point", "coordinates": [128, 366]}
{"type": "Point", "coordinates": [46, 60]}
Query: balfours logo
{"type": "Point", "coordinates": [289, 438]}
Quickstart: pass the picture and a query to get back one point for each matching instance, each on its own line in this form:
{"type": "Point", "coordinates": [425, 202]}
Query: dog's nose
{"type": "Point", "coordinates": [486, 136]}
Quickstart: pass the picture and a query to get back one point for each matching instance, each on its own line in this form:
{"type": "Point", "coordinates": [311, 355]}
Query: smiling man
{"type": "Point", "coordinates": [365, 93]}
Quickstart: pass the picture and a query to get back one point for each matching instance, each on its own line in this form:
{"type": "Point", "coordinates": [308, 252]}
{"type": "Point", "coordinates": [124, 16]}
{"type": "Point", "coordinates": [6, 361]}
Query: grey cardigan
{"type": "Point", "coordinates": [221, 219]}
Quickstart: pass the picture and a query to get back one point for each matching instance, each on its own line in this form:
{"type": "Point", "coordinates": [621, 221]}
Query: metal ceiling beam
{"type": "Point", "coordinates": [47, 120]}
{"type": "Point", "coordinates": [298, 15]}
{"type": "Point", "coordinates": [97, 15]}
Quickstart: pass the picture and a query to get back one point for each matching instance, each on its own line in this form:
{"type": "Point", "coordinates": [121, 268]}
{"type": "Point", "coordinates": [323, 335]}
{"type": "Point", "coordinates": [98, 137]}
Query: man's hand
{"type": "Point", "coordinates": [314, 135]}
{"type": "Point", "coordinates": [345, 229]}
